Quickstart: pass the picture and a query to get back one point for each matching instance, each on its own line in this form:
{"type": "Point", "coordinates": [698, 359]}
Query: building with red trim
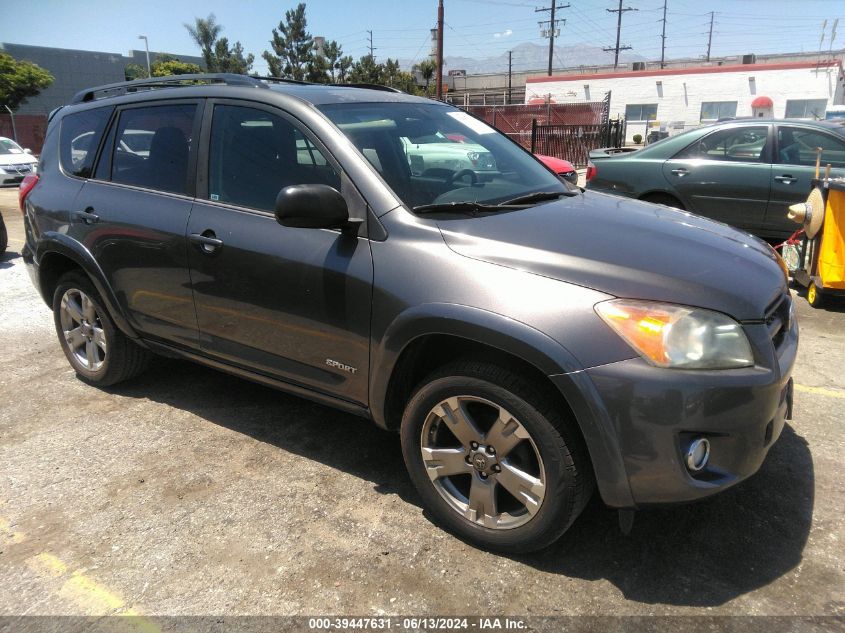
{"type": "Point", "coordinates": [664, 102]}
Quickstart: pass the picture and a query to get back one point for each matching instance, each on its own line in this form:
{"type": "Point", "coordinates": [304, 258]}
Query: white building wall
{"type": "Point", "coordinates": [679, 96]}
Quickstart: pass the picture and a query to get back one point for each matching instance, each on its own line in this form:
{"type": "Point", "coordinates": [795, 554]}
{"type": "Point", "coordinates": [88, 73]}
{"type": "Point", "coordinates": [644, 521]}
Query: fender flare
{"type": "Point", "coordinates": [61, 244]}
{"type": "Point", "coordinates": [528, 344]}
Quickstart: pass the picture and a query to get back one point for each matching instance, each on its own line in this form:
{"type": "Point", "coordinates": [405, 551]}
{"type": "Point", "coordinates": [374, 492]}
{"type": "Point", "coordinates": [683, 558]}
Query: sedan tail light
{"type": "Point", "coordinates": [592, 170]}
{"type": "Point", "coordinates": [27, 185]}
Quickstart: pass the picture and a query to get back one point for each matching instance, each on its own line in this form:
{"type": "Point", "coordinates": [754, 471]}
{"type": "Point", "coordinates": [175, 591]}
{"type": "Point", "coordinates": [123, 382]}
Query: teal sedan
{"type": "Point", "coordinates": [744, 172]}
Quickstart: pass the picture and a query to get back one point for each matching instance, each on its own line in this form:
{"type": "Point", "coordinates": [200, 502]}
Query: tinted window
{"type": "Point", "coordinates": [152, 146]}
{"type": "Point", "coordinates": [715, 110]}
{"type": "Point", "coordinates": [80, 137]}
{"type": "Point", "coordinates": [797, 146]}
{"type": "Point", "coordinates": [805, 108]}
{"type": "Point", "coordinates": [641, 111]}
{"type": "Point", "coordinates": [742, 145]}
{"type": "Point", "coordinates": [254, 154]}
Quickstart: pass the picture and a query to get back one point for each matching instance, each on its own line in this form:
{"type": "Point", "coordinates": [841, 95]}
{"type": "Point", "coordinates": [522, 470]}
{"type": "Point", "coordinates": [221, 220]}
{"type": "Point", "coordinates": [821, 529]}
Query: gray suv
{"type": "Point", "coordinates": [529, 341]}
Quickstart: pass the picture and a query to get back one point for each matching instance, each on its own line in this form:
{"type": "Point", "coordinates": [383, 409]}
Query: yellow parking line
{"type": "Point", "coordinates": [831, 393]}
{"type": "Point", "coordinates": [88, 594]}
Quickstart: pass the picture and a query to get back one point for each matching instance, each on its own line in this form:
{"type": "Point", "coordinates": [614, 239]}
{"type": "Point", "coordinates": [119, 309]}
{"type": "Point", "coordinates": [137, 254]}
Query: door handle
{"type": "Point", "coordinates": [88, 216]}
{"type": "Point", "coordinates": [786, 179]}
{"type": "Point", "coordinates": [207, 241]}
{"type": "Point", "coordinates": [680, 171]}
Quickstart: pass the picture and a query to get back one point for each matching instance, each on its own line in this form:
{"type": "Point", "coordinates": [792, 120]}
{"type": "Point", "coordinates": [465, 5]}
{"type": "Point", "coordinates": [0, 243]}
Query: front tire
{"type": "Point", "coordinates": [495, 460]}
{"type": "Point", "coordinates": [100, 354]}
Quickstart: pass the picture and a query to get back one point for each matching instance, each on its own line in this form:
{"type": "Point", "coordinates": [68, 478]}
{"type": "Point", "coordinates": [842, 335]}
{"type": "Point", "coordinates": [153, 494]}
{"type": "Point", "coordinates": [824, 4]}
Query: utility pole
{"type": "Point", "coordinates": [618, 48]}
{"type": "Point", "coordinates": [440, 50]}
{"type": "Point", "coordinates": [552, 27]}
{"type": "Point", "coordinates": [510, 71]}
{"type": "Point", "coordinates": [371, 45]}
{"type": "Point", "coordinates": [663, 38]}
{"type": "Point", "coordinates": [710, 37]}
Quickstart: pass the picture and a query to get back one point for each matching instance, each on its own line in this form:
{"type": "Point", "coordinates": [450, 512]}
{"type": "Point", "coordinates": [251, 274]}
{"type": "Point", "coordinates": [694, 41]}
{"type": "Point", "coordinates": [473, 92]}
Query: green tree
{"type": "Point", "coordinates": [134, 71]}
{"type": "Point", "coordinates": [231, 60]}
{"type": "Point", "coordinates": [333, 53]}
{"type": "Point", "coordinates": [426, 68]}
{"type": "Point", "coordinates": [170, 67]}
{"type": "Point", "coordinates": [365, 71]}
{"type": "Point", "coordinates": [205, 32]}
{"type": "Point", "coordinates": [317, 69]}
{"type": "Point", "coordinates": [344, 64]}
{"type": "Point", "coordinates": [292, 46]}
{"type": "Point", "coordinates": [20, 80]}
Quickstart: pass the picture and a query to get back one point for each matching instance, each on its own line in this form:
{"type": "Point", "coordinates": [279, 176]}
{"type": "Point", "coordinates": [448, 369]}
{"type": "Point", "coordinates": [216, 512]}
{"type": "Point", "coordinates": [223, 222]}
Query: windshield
{"type": "Point", "coordinates": [436, 154]}
{"type": "Point", "coordinates": [8, 146]}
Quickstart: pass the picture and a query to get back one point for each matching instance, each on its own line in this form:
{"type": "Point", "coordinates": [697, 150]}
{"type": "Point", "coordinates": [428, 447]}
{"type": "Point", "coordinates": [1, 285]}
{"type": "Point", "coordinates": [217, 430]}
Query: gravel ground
{"type": "Point", "coordinates": [190, 492]}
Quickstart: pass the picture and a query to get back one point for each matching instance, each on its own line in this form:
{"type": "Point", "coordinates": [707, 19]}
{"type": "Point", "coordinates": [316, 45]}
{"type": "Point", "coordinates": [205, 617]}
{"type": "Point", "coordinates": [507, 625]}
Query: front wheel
{"type": "Point", "coordinates": [99, 353]}
{"type": "Point", "coordinates": [495, 461]}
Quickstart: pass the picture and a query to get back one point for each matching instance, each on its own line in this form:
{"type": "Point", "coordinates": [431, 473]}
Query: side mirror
{"type": "Point", "coordinates": [27, 151]}
{"type": "Point", "coordinates": [311, 207]}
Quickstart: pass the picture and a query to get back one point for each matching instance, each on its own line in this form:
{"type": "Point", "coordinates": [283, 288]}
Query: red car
{"type": "Point", "coordinates": [563, 168]}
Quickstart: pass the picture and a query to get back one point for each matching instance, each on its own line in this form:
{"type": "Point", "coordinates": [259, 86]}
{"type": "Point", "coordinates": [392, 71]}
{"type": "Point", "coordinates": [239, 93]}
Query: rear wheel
{"type": "Point", "coordinates": [814, 295]}
{"type": "Point", "coordinates": [493, 459]}
{"type": "Point", "coordinates": [99, 353]}
{"type": "Point", "coordinates": [664, 199]}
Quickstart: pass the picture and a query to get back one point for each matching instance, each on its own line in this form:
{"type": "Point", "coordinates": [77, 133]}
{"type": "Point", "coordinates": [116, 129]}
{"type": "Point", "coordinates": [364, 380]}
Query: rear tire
{"type": "Point", "coordinates": [815, 297]}
{"type": "Point", "coordinates": [664, 199]}
{"type": "Point", "coordinates": [100, 353]}
{"type": "Point", "coordinates": [495, 460]}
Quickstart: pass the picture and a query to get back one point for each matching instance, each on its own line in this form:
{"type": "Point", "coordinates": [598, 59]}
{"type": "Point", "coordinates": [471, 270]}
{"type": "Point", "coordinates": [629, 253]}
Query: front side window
{"type": "Point", "coordinates": [715, 110]}
{"type": "Point", "coordinates": [80, 138]}
{"type": "Point", "coordinates": [152, 146]}
{"type": "Point", "coordinates": [640, 111]}
{"type": "Point", "coordinates": [739, 145]}
{"type": "Point", "coordinates": [805, 108]}
{"type": "Point", "coordinates": [436, 154]}
{"type": "Point", "coordinates": [797, 146]}
{"type": "Point", "coordinates": [254, 154]}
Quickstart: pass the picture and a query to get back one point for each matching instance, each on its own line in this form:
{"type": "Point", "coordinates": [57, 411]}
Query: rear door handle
{"type": "Point", "coordinates": [680, 171]}
{"type": "Point", "coordinates": [786, 179]}
{"type": "Point", "coordinates": [207, 241]}
{"type": "Point", "coordinates": [88, 216]}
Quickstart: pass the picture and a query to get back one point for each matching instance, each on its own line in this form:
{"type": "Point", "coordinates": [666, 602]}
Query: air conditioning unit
{"type": "Point", "coordinates": [638, 66]}
{"type": "Point", "coordinates": [749, 59]}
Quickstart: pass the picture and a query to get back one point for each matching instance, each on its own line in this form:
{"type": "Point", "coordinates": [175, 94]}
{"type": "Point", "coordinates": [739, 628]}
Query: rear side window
{"type": "Point", "coordinates": [738, 145]}
{"type": "Point", "coordinates": [80, 138]}
{"type": "Point", "coordinates": [152, 147]}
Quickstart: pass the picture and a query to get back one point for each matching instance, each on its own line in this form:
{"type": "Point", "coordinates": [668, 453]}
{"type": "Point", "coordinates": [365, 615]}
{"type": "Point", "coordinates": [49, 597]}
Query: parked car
{"type": "Point", "coordinates": [438, 155]}
{"type": "Point", "coordinates": [528, 341]}
{"type": "Point", "coordinates": [15, 162]}
{"type": "Point", "coordinates": [742, 172]}
{"type": "Point", "coordinates": [563, 168]}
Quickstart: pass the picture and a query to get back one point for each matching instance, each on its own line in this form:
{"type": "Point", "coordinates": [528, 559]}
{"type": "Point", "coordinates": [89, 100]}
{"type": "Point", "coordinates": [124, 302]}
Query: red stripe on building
{"type": "Point", "coordinates": [698, 70]}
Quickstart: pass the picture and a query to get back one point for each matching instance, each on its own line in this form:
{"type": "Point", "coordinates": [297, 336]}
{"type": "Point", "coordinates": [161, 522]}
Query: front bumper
{"type": "Point", "coordinates": [656, 413]}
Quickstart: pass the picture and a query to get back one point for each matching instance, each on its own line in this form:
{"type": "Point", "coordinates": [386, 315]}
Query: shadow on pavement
{"type": "Point", "coordinates": [702, 554]}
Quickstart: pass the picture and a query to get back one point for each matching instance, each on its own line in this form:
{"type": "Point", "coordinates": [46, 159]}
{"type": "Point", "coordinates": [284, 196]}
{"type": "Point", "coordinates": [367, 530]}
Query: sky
{"type": "Point", "coordinates": [401, 28]}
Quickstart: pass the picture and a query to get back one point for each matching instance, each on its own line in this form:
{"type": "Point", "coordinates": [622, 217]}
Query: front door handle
{"type": "Point", "coordinates": [786, 179]}
{"type": "Point", "coordinates": [680, 171]}
{"type": "Point", "coordinates": [207, 241]}
{"type": "Point", "coordinates": [88, 216]}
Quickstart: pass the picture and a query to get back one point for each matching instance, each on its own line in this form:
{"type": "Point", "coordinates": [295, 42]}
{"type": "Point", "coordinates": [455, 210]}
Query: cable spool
{"type": "Point", "coordinates": [809, 213]}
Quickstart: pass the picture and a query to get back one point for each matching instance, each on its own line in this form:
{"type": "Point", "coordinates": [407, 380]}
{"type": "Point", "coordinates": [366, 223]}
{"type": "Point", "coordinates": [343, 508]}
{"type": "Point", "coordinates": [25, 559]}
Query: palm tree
{"type": "Point", "coordinates": [205, 33]}
{"type": "Point", "coordinates": [426, 68]}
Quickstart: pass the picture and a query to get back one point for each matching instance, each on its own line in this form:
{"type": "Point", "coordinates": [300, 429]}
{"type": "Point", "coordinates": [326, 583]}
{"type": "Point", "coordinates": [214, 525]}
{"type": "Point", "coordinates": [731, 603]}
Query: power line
{"type": "Point", "coordinates": [618, 48]}
{"type": "Point", "coordinates": [552, 27]}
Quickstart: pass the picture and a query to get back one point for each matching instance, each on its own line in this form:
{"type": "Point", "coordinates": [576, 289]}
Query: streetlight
{"type": "Point", "coordinates": [147, 47]}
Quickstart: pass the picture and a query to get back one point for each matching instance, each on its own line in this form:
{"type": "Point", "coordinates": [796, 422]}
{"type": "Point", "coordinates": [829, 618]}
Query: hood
{"type": "Point", "coordinates": [17, 159]}
{"type": "Point", "coordinates": [630, 249]}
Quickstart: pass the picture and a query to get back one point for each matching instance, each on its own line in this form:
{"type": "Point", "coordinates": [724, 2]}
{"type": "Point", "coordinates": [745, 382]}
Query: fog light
{"type": "Point", "coordinates": [698, 453]}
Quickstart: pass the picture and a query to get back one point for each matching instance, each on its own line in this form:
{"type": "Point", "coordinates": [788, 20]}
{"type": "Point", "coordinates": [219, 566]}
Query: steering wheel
{"type": "Point", "coordinates": [460, 174]}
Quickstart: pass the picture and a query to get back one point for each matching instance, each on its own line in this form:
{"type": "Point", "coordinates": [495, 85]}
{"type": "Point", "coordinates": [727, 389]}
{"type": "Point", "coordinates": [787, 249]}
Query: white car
{"type": "Point", "coordinates": [437, 154]}
{"type": "Point", "coordinates": [15, 162]}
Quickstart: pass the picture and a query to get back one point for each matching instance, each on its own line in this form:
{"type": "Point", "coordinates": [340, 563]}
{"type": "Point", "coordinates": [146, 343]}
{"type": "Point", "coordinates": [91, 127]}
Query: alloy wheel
{"type": "Point", "coordinates": [82, 328]}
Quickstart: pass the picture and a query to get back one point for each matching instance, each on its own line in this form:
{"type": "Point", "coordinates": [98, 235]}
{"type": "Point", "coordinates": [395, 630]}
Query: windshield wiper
{"type": "Point", "coordinates": [469, 207]}
{"type": "Point", "coordinates": [538, 196]}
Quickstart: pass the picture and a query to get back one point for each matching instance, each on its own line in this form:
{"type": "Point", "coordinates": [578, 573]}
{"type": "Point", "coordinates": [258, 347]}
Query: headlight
{"type": "Point", "coordinates": [684, 337]}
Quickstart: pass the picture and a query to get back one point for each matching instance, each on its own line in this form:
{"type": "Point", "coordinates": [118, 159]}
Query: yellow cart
{"type": "Point", "coordinates": [821, 256]}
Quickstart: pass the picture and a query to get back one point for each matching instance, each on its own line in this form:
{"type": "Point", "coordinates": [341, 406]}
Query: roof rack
{"type": "Point", "coordinates": [367, 86]}
{"type": "Point", "coordinates": [124, 87]}
{"type": "Point", "coordinates": [282, 80]}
